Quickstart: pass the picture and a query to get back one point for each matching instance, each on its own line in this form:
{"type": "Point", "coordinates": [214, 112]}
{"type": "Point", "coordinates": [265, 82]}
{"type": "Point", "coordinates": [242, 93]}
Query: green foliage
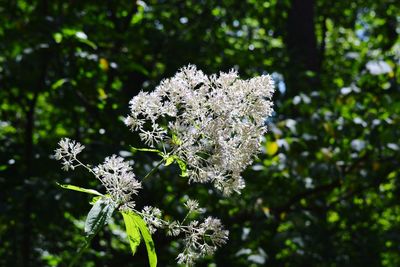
{"type": "Point", "coordinates": [181, 164]}
{"type": "Point", "coordinates": [80, 189]}
{"type": "Point", "coordinates": [151, 250]}
{"type": "Point", "coordinates": [132, 230]}
{"type": "Point", "coordinates": [136, 228]}
{"type": "Point", "coordinates": [98, 216]}
{"type": "Point", "coordinates": [134, 149]}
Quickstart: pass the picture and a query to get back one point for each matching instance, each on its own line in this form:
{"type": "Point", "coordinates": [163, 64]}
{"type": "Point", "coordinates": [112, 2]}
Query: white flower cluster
{"type": "Point", "coordinates": [115, 174]}
{"type": "Point", "coordinates": [214, 123]}
{"type": "Point", "coordinates": [210, 125]}
{"type": "Point", "coordinates": [152, 217]}
{"type": "Point", "coordinates": [201, 239]}
{"type": "Point", "coordinates": [117, 177]}
{"type": "Point", "coordinates": [67, 152]}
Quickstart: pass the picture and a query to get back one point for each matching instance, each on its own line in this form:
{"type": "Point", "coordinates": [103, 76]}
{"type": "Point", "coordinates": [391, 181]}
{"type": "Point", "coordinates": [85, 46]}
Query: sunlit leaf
{"type": "Point", "coordinates": [80, 189]}
{"type": "Point", "coordinates": [182, 166]}
{"type": "Point", "coordinates": [271, 148]}
{"type": "Point", "coordinates": [98, 216]}
{"type": "Point", "coordinates": [132, 230]}
{"type": "Point", "coordinates": [169, 160]}
{"type": "Point", "coordinates": [134, 149]}
{"type": "Point", "coordinates": [151, 251]}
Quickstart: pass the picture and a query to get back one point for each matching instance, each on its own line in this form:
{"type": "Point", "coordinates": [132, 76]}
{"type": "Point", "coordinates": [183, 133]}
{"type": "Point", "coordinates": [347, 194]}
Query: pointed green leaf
{"type": "Point", "coordinates": [175, 140]}
{"type": "Point", "coordinates": [182, 166]}
{"type": "Point", "coordinates": [98, 216]}
{"type": "Point", "coordinates": [134, 149]}
{"type": "Point", "coordinates": [89, 43]}
{"type": "Point", "coordinates": [139, 68]}
{"type": "Point", "coordinates": [80, 189]}
{"type": "Point", "coordinates": [59, 83]}
{"type": "Point", "coordinates": [94, 200]}
{"type": "Point", "coordinates": [169, 160]}
{"type": "Point", "coordinates": [132, 231]}
{"type": "Point", "coordinates": [151, 251]}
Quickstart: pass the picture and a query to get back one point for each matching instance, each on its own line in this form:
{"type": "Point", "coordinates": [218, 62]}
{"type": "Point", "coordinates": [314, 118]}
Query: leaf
{"type": "Point", "coordinates": [271, 148]}
{"type": "Point", "coordinates": [175, 140]}
{"type": "Point", "coordinates": [80, 189]}
{"type": "Point", "coordinates": [104, 65]}
{"type": "Point", "coordinates": [182, 166]}
{"type": "Point", "coordinates": [88, 42]}
{"type": "Point", "coordinates": [57, 37]}
{"type": "Point", "coordinates": [59, 83]}
{"type": "Point", "coordinates": [94, 200]}
{"type": "Point", "coordinates": [98, 216]}
{"type": "Point", "coordinates": [169, 160]}
{"type": "Point", "coordinates": [134, 149]}
{"type": "Point", "coordinates": [139, 68]}
{"type": "Point", "coordinates": [132, 231]}
{"type": "Point", "coordinates": [151, 251]}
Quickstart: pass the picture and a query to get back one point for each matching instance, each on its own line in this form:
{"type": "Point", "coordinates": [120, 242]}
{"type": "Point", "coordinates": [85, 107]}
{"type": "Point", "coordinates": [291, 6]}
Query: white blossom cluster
{"type": "Point", "coordinates": [152, 217]}
{"type": "Point", "coordinates": [118, 178]}
{"type": "Point", "coordinates": [200, 239]}
{"type": "Point", "coordinates": [67, 153]}
{"type": "Point", "coordinates": [213, 123]}
{"type": "Point", "coordinates": [115, 174]}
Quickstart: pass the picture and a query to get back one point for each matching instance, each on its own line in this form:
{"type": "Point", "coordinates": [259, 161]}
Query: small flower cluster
{"type": "Point", "coordinates": [152, 217]}
{"type": "Point", "coordinates": [115, 174]}
{"type": "Point", "coordinates": [201, 239]}
{"type": "Point", "coordinates": [67, 152]}
{"type": "Point", "coordinates": [214, 123]}
{"type": "Point", "coordinates": [117, 177]}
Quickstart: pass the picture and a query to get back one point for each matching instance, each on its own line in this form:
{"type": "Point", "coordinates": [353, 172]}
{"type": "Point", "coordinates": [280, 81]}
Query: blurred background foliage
{"type": "Point", "coordinates": [325, 190]}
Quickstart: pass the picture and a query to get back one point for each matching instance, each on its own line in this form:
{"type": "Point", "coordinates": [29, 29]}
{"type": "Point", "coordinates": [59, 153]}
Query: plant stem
{"type": "Point", "coordinates": [154, 169]}
{"type": "Point", "coordinates": [81, 250]}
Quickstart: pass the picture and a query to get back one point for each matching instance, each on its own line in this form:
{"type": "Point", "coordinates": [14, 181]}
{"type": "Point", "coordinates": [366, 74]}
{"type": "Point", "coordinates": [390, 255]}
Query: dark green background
{"type": "Point", "coordinates": [325, 191]}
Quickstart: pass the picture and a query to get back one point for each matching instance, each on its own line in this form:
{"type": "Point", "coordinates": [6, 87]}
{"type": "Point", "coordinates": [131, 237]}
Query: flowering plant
{"type": "Point", "coordinates": [210, 126]}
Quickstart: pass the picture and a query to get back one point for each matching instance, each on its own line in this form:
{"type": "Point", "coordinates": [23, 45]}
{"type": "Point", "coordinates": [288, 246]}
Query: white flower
{"type": "Point", "coordinates": [152, 217]}
{"type": "Point", "coordinates": [67, 152]}
{"type": "Point", "coordinates": [117, 177]}
{"type": "Point", "coordinates": [174, 228]}
{"type": "Point", "coordinates": [202, 239]}
{"type": "Point", "coordinates": [192, 204]}
{"type": "Point", "coordinates": [215, 123]}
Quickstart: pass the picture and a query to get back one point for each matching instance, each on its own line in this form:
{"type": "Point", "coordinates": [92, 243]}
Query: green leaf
{"type": "Point", "coordinates": [88, 42]}
{"type": "Point", "coordinates": [98, 216]}
{"type": "Point", "coordinates": [134, 149]}
{"type": "Point", "coordinates": [169, 160]}
{"type": "Point", "coordinates": [182, 166]}
{"type": "Point", "coordinates": [94, 200]}
{"type": "Point", "coordinates": [59, 83]}
{"type": "Point", "coordinates": [57, 37]}
{"type": "Point", "coordinates": [175, 140]}
{"type": "Point", "coordinates": [132, 231]}
{"type": "Point", "coordinates": [139, 68]}
{"type": "Point", "coordinates": [151, 251]}
{"type": "Point", "coordinates": [80, 189]}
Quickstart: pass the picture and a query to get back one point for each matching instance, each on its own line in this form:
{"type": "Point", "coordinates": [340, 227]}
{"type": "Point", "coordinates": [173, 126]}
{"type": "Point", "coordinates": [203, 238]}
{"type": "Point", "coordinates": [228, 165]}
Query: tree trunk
{"type": "Point", "coordinates": [301, 43]}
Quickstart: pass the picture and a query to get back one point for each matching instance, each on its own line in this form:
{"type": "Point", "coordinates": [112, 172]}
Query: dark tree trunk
{"type": "Point", "coordinates": [27, 225]}
{"type": "Point", "coordinates": [301, 43]}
